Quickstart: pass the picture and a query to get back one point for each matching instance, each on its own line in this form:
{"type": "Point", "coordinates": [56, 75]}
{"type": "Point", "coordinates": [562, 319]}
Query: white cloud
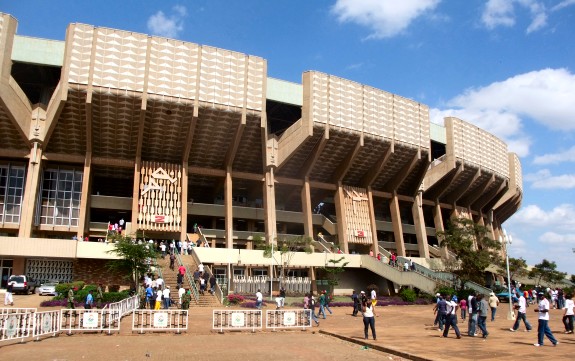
{"type": "Point", "coordinates": [563, 4]}
{"type": "Point", "coordinates": [546, 96]}
{"type": "Point", "coordinates": [170, 27]}
{"type": "Point", "coordinates": [531, 216]}
{"type": "Point", "coordinates": [502, 13]}
{"type": "Point", "coordinates": [498, 12]}
{"type": "Point", "coordinates": [543, 179]}
{"type": "Point", "coordinates": [556, 158]}
{"type": "Point", "coordinates": [385, 18]}
{"type": "Point", "coordinates": [556, 238]}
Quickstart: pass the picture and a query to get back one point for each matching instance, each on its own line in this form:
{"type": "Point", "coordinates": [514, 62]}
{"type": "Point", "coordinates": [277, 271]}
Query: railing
{"type": "Point", "coordinates": [160, 321]}
{"type": "Point", "coordinates": [325, 244]}
{"type": "Point", "coordinates": [437, 276]}
{"type": "Point", "coordinates": [189, 278]}
{"type": "Point", "coordinates": [82, 320]}
{"type": "Point", "coordinates": [217, 290]}
{"type": "Point", "coordinates": [203, 238]}
{"type": "Point", "coordinates": [297, 285]}
{"type": "Point", "coordinates": [46, 323]}
{"type": "Point", "coordinates": [237, 320]}
{"type": "Point", "coordinates": [283, 319]}
{"type": "Point", "coordinates": [16, 323]}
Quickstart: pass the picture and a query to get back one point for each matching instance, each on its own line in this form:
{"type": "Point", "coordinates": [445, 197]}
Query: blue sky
{"type": "Point", "coordinates": [507, 66]}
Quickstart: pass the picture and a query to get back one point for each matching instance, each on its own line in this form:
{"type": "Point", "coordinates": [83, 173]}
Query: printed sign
{"type": "Point", "coordinates": [238, 319]}
{"type": "Point", "coordinates": [360, 233]}
{"type": "Point", "coordinates": [11, 326]}
{"type": "Point", "coordinates": [90, 319]}
{"type": "Point", "coordinates": [289, 319]}
{"type": "Point", "coordinates": [160, 319]}
{"type": "Point", "coordinates": [46, 323]}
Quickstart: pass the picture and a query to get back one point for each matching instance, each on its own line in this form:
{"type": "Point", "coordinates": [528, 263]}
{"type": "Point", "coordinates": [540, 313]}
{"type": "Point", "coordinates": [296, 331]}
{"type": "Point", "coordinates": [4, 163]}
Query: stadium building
{"type": "Point", "coordinates": [165, 136]}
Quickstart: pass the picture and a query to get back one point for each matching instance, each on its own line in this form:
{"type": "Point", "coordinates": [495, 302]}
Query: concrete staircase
{"type": "Point", "coordinates": [171, 279]}
{"type": "Point", "coordinates": [207, 299]}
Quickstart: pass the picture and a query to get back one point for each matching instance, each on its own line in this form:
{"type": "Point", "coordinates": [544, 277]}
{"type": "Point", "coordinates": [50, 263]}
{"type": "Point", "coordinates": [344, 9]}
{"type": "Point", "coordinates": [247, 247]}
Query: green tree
{"type": "Point", "coordinates": [134, 259]}
{"type": "Point", "coordinates": [547, 271]}
{"type": "Point", "coordinates": [333, 269]}
{"type": "Point", "coordinates": [287, 247]}
{"type": "Point", "coordinates": [474, 251]}
{"type": "Point", "coordinates": [517, 267]}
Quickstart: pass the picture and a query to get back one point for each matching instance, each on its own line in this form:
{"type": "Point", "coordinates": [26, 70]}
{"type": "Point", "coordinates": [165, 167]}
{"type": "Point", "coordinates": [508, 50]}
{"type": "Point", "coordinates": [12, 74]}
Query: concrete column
{"type": "Point", "coordinates": [30, 192]}
{"type": "Point", "coordinates": [270, 206]}
{"type": "Point", "coordinates": [228, 209]}
{"type": "Point", "coordinates": [419, 221]}
{"type": "Point", "coordinates": [83, 220]}
{"type": "Point", "coordinates": [341, 216]}
{"type": "Point", "coordinates": [136, 194]}
{"type": "Point", "coordinates": [184, 200]}
{"type": "Point", "coordinates": [306, 209]}
{"type": "Point", "coordinates": [396, 223]}
{"type": "Point", "coordinates": [375, 244]}
{"type": "Point", "coordinates": [438, 220]}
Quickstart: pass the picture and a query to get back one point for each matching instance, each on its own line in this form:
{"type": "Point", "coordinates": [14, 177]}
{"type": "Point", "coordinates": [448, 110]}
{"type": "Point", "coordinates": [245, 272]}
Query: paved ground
{"type": "Point", "coordinates": [407, 330]}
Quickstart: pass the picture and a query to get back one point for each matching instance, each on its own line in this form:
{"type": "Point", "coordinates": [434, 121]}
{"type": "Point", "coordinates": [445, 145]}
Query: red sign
{"type": "Point", "coordinates": [159, 219]}
{"type": "Point", "coordinates": [360, 233]}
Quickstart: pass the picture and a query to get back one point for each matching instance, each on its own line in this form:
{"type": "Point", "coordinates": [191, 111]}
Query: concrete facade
{"type": "Point", "coordinates": [165, 134]}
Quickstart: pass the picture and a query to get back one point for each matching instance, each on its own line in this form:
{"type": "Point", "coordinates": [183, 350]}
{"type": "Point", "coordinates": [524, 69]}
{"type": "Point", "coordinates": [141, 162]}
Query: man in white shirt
{"type": "Point", "coordinates": [166, 295]}
{"type": "Point", "coordinates": [373, 300]}
{"type": "Point", "coordinates": [181, 292]}
{"type": "Point", "coordinates": [159, 283]}
{"type": "Point", "coordinates": [259, 299]}
{"type": "Point", "coordinates": [568, 315]}
{"type": "Point", "coordinates": [451, 318]}
{"type": "Point", "coordinates": [543, 325]}
{"type": "Point", "coordinates": [521, 307]}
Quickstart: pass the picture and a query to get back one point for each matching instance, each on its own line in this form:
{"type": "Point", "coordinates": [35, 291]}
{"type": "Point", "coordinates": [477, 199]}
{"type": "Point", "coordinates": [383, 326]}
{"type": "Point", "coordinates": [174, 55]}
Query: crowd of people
{"type": "Point", "coordinates": [479, 307]}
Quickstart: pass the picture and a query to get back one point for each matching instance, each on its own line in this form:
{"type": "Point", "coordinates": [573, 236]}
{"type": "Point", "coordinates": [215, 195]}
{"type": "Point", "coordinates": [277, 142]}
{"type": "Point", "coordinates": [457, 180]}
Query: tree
{"type": "Point", "coordinates": [134, 259]}
{"type": "Point", "coordinates": [474, 251]}
{"type": "Point", "coordinates": [547, 271]}
{"type": "Point", "coordinates": [517, 267]}
{"type": "Point", "coordinates": [287, 248]}
{"type": "Point", "coordinates": [333, 270]}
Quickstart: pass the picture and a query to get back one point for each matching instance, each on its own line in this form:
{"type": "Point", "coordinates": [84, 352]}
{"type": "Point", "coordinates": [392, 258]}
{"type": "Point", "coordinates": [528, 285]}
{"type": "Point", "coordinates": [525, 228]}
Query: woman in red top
{"type": "Point", "coordinates": [463, 308]}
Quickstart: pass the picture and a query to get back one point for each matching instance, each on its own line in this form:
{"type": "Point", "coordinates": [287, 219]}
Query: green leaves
{"type": "Point", "coordinates": [547, 271]}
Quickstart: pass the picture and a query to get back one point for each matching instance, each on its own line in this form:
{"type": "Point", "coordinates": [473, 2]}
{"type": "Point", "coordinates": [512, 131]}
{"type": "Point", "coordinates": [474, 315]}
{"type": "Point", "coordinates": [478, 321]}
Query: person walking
{"type": "Point", "coordinates": [172, 260]}
{"type": "Point", "coordinates": [8, 298]}
{"type": "Point", "coordinates": [568, 315]}
{"type": "Point", "coordinates": [368, 319]}
{"type": "Point", "coordinates": [473, 308]}
{"type": "Point", "coordinates": [521, 307]}
{"type": "Point", "coordinates": [451, 318]}
{"type": "Point", "coordinates": [166, 297]}
{"type": "Point", "coordinates": [463, 308]}
{"type": "Point", "coordinates": [309, 304]}
{"type": "Point", "coordinates": [441, 310]}
{"type": "Point", "coordinates": [71, 298]}
{"type": "Point", "coordinates": [89, 301]}
{"type": "Point", "coordinates": [493, 303]}
{"type": "Point", "coordinates": [483, 307]}
{"type": "Point", "coordinates": [259, 299]}
{"type": "Point", "coordinates": [322, 303]}
{"type": "Point", "coordinates": [356, 304]}
{"type": "Point", "coordinates": [543, 322]}
{"type": "Point", "coordinates": [99, 295]}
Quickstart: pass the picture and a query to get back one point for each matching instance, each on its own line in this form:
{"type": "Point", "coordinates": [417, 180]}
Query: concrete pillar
{"type": "Point", "coordinates": [419, 221]}
{"type": "Point", "coordinates": [30, 192]}
{"type": "Point", "coordinates": [396, 223]}
{"type": "Point", "coordinates": [83, 219]}
{"type": "Point", "coordinates": [340, 210]}
{"type": "Point", "coordinates": [229, 219]}
{"type": "Point", "coordinates": [306, 209]}
{"type": "Point", "coordinates": [438, 220]}
{"type": "Point", "coordinates": [136, 194]}
{"type": "Point", "coordinates": [270, 206]}
{"type": "Point", "coordinates": [375, 244]}
{"type": "Point", "coordinates": [184, 200]}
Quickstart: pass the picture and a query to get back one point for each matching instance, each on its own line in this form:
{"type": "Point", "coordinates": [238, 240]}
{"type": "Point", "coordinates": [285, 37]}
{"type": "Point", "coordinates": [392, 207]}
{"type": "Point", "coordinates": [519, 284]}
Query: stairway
{"type": "Point", "coordinates": [207, 299]}
{"type": "Point", "coordinates": [170, 277]}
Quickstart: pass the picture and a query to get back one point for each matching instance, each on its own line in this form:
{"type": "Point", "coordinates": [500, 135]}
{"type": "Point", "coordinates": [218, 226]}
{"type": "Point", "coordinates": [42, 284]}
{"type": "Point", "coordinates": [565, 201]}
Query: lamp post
{"type": "Point", "coordinates": [506, 240]}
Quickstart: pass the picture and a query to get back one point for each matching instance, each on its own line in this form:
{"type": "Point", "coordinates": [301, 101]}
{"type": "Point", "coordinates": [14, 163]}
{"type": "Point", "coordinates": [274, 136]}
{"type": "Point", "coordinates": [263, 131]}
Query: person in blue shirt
{"type": "Point", "coordinates": [89, 301]}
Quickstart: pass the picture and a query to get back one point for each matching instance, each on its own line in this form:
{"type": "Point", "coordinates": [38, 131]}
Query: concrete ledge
{"type": "Point", "coordinates": [377, 347]}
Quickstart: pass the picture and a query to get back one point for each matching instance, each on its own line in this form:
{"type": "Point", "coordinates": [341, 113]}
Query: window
{"type": "Point", "coordinates": [11, 193]}
{"type": "Point", "coordinates": [260, 272]}
{"type": "Point", "coordinates": [61, 194]}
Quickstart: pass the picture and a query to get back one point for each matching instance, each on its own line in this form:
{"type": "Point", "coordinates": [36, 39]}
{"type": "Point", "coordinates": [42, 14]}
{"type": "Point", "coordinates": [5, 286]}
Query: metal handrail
{"type": "Point", "coordinates": [190, 279]}
{"type": "Point", "coordinates": [219, 293]}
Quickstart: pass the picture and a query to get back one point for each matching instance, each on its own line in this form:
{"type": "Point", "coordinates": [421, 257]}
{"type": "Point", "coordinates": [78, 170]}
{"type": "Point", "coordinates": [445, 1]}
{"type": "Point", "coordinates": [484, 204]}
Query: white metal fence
{"type": "Point", "coordinates": [124, 307]}
{"type": "Point", "coordinates": [160, 321]}
{"type": "Point", "coordinates": [297, 318]}
{"type": "Point", "coordinates": [16, 323]}
{"type": "Point", "coordinates": [82, 320]}
{"type": "Point", "coordinates": [237, 320]}
{"type": "Point", "coordinates": [46, 323]}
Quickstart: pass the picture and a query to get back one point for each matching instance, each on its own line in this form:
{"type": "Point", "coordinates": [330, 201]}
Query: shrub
{"type": "Point", "coordinates": [113, 288]}
{"type": "Point", "coordinates": [235, 299]}
{"type": "Point", "coordinates": [408, 295]}
{"type": "Point", "coordinates": [444, 291]}
{"type": "Point", "coordinates": [110, 297]}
